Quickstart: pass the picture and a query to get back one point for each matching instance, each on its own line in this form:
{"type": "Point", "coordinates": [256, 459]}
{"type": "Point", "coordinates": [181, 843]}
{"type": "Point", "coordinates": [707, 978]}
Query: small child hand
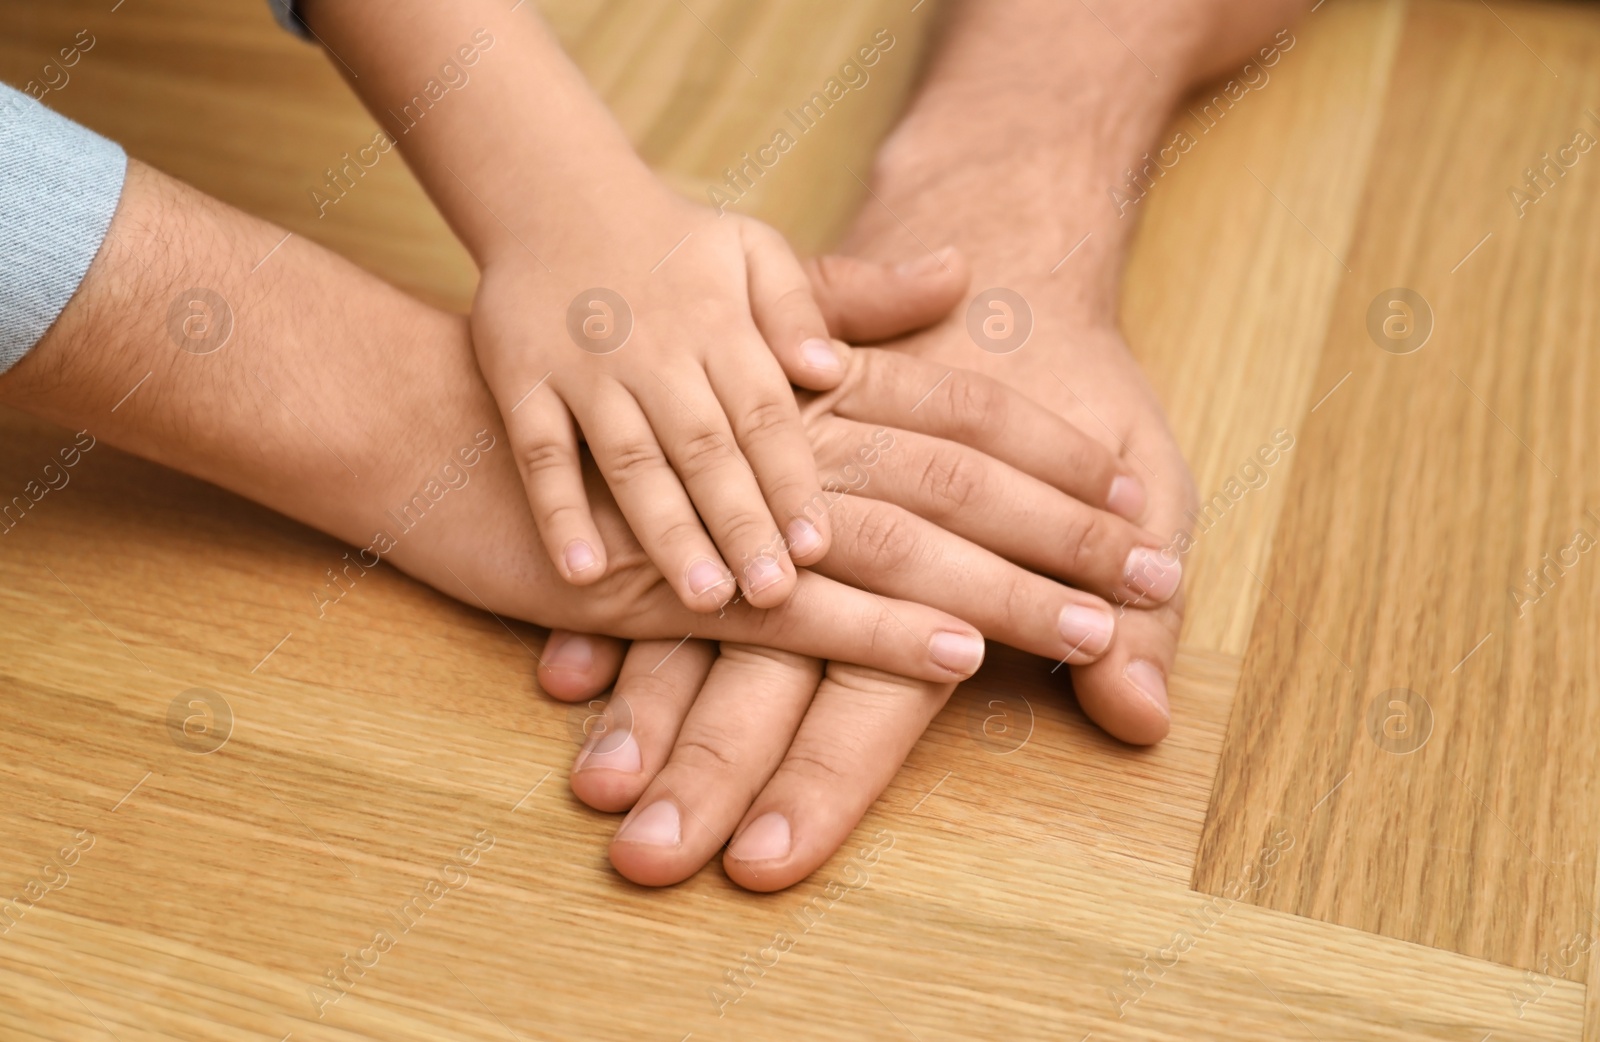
{"type": "Point", "coordinates": [661, 337]}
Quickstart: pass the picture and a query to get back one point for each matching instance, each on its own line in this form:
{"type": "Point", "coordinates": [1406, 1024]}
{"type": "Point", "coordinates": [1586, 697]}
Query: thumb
{"type": "Point", "coordinates": [866, 301]}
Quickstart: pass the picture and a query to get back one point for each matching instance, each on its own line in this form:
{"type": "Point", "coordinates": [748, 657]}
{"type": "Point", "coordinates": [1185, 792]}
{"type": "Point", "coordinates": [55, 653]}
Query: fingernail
{"type": "Point", "coordinates": [704, 575]}
{"type": "Point", "coordinates": [762, 573]}
{"type": "Point", "coordinates": [1150, 572]}
{"type": "Point", "coordinates": [1126, 497]}
{"type": "Point", "coordinates": [655, 826]}
{"type": "Point", "coordinates": [804, 539]}
{"type": "Point", "coordinates": [1086, 629]}
{"type": "Point", "coordinates": [960, 653]}
{"type": "Point", "coordinates": [1150, 683]}
{"type": "Point", "coordinates": [927, 265]}
{"type": "Point", "coordinates": [579, 557]}
{"type": "Point", "coordinates": [818, 354]}
{"type": "Point", "coordinates": [766, 839]}
{"type": "Point", "coordinates": [569, 653]}
{"type": "Point", "coordinates": [612, 749]}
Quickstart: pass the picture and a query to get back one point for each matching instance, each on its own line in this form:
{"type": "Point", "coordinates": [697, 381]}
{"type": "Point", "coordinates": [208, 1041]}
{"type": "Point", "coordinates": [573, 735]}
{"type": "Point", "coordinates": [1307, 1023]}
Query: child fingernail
{"type": "Point", "coordinates": [655, 826]}
{"type": "Point", "coordinates": [1086, 629]}
{"type": "Point", "coordinates": [960, 653]}
{"type": "Point", "coordinates": [1126, 497]}
{"type": "Point", "coordinates": [1150, 683]}
{"type": "Point", "coordinates": [767, 839]}
{"type": "Point", "coordinates": [762, 573]}
{"type": "Point", "coordinates": [705, 576]}
{"type": "Point", "coordinates": [804, 539]}
{"type": "Point", "coordinates": [1151, 573]}
{"type": "Point", "coordinates": [579, 557]}
{"type": "Point", "coordinates": [818, 354]}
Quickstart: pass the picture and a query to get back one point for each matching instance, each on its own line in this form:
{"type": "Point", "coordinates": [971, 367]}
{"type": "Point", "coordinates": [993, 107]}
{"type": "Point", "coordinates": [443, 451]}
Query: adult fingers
{"type": "Point", "coordinates": [733, 739]}
{"type": "Point", "coordinates": [864, 301]}
{"type": "Point", "coordinates": [575, 666]}
{"type": "Point", "coordinates": [1002, 509]}
{"type": "Point", "coordinates": [891, 552]}
{"type": "Point", "coordinates": [971, 409]}
{"type": "Point", "coordinates": [1125, 692]}
{"type": "Point", "coordinates": [827, 619]}
{"type": "Point", "coordinates": [631, 741]}
{"type": "Point", "coordinates": [785, 312]}
{"type": "Point", "coordinates": [857, 732]}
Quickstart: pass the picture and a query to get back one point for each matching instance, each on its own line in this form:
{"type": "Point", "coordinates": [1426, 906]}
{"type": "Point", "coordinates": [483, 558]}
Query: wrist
{"type": "Point", "coordinates": [614, 218]}
{"type": "Point", "coordinates": [1028, 126]}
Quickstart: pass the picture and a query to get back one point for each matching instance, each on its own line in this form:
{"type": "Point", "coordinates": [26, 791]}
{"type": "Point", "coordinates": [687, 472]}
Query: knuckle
{"type": "Point", "coordinates": [703, 451]}
{"type": "Point", "coordinates": [562, 517]}
{"type": "Point", "coordinates": [975, 403]}
{"type": "Point", "coordinates": [768, 419]}
{"type": "Point", "coordinates": [882, 540]}
{"type": "Point", "coordinates": [753, 532]}
{"type": "Point", "coordinates": [709, 749]}
{"type": "Point", "coordinates": [794, 298]}
{"type": "Point", "coordinates": [537, 458]}
{"type": "Point", "coordinates": [953, 482]}
{"type": "Point", "coordinates": [679, 533]}
{"type": "Point", "coordinates": [645, 687]}
{"type": "Point", "coordinates": [633, 460]}
{"type": "Point", "coordinates": [822, 769]}
{"type": "Point", "coordinates": [1087, 536]}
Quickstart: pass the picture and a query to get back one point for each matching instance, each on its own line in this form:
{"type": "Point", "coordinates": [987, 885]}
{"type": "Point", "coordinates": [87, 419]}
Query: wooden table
{"type": "Point", "coordinates": [1376, 816]}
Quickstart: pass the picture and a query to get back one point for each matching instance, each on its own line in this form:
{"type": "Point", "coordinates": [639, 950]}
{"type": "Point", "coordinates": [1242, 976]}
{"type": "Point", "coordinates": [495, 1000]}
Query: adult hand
{"type": "Point", "coordinates": [790, 774]}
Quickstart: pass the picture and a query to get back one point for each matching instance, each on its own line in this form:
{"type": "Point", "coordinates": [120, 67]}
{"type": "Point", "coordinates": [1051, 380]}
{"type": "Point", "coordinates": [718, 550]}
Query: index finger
{"type": "Point", "coordinates": [959, 405]}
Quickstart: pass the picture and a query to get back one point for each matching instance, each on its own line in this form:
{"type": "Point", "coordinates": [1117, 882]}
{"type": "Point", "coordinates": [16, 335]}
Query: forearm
{"type": "Point", "coordinates": [499, 125]}
{"type": "Point", "coordinates": [333, 396]}
{"type": "Point", "coordinates": [1031, 113]}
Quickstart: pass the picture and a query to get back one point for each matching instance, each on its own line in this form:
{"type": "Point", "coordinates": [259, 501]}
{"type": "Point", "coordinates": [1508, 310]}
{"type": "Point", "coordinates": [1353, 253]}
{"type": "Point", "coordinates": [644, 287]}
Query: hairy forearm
{"type": "Point", "coordinates": [1030, 112]}
{"type": "Point", "coordinates": [331, 396]}
{"type": "Point", "coordinates": [500, 126]}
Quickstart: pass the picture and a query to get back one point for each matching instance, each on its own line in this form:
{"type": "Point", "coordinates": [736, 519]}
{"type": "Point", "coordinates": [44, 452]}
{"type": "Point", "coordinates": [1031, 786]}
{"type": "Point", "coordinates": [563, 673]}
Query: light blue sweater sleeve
{"type": "Point", "coordinates": [59, 187]}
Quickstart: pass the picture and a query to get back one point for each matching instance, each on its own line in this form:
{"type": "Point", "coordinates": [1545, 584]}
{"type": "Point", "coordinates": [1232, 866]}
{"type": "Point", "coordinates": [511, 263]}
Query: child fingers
{"type": "Point", "coordinates": [766, 424]}
{"type": "Point", "coordinates": [695, 435]}
{"type": "Point", "coordinates": [634, 732]}
{"type": "Point", "coordinates": [545, 446]}
{"type": "Point", "coordinates": [786, 313]}
{"type": "Point", "coordinates": [653, 501]}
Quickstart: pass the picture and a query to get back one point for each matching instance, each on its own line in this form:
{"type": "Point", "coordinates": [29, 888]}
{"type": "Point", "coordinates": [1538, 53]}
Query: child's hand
{"type": "Point", "coordinates": [656, 337]}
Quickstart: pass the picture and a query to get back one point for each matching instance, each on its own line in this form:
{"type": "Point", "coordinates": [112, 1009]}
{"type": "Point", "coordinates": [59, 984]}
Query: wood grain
{"type": "Point", "coordinates": [1021, 864]}
{"type": "Point", "coordinates": [1423, 490]}
{"type": "Point", "coordinates": [1231, 337]}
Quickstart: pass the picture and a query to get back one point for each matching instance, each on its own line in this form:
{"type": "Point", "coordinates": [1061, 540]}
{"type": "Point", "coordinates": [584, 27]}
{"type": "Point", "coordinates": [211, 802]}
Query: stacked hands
{"type": "Point", "coordinates": [779, 552]}
{"type": "Point", "coordinates": [891, 519]}
{"type": "Point", "coordinates": [643, 353]}
{"type": "Point", "coordinates": [925, 490]}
